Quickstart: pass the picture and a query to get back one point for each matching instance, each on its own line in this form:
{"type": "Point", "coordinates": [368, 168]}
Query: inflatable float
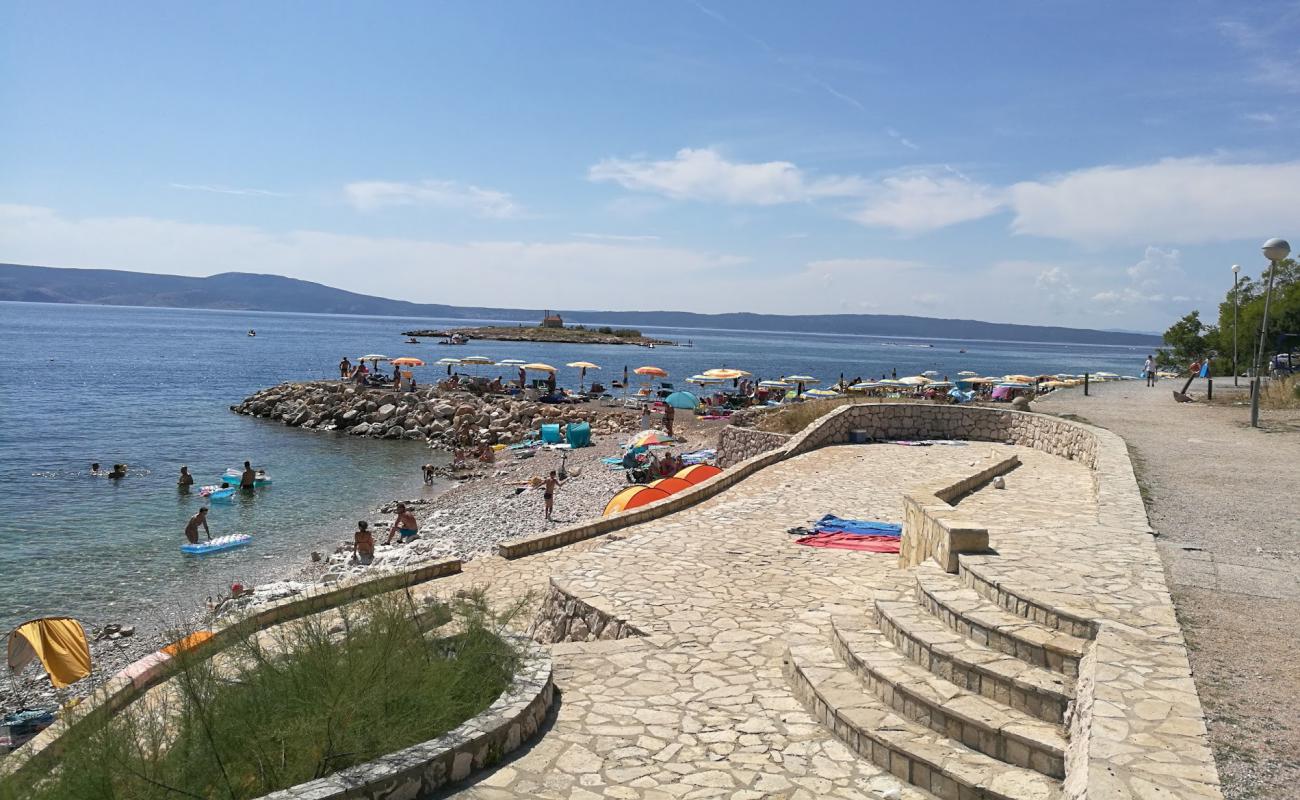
{"type": "Point", "coordinates": [216, 545]}
{"type": "Point", "coordinates": [221, 492]}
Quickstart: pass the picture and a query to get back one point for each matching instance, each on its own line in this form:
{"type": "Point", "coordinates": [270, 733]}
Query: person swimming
{"type": "Point", "coordinates": [118, 471]}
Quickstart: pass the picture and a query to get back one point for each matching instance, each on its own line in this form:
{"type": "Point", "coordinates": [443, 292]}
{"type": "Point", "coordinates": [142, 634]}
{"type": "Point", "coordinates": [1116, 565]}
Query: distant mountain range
{"type": "Point", "coordinates": [244, 291]}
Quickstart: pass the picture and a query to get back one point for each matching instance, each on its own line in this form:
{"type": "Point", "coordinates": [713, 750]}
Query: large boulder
{"type": "Point", "coordinates": [385, 412]}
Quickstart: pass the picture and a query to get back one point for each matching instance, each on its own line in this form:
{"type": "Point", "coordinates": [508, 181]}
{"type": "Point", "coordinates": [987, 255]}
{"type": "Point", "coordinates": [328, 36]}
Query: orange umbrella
{"type": "Point", "coordinates": [654, 372]}
{"type": "Point", "coordinates": [407, 362]}
{"type": "Point", "coordinates": [633, 497]}
{"type": "Point", "coordinates": [725, 374]}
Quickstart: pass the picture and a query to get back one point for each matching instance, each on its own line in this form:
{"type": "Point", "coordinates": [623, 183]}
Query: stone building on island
{"type": "Point", "coordinates": [552, 320]}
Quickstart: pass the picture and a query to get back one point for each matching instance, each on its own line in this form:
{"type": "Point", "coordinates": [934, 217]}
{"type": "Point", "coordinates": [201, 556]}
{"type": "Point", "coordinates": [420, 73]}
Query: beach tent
{"type": "Point", "coordinates": [633, 497]}
{"type": "Point", "coordinates": [682, 400]}
{"type": "Point", "coordinates": [697, 473]}
{"type": "Point", "coordinates": [59, 643]}
{"type": "Point", "coordinates": [671, 485]}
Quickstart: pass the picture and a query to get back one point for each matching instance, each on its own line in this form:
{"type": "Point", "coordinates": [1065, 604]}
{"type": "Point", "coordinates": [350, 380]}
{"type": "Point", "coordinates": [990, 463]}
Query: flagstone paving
{"type": "Point", "coordinates": [700, 707]}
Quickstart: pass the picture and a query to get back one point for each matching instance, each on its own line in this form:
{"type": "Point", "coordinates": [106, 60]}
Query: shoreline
{"type": "Point", "coordinates": [465, 520]}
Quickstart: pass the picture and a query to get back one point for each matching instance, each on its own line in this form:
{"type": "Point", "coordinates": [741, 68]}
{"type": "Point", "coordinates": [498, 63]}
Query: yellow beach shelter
{"type": "Point", "coordinates": [58, 642]}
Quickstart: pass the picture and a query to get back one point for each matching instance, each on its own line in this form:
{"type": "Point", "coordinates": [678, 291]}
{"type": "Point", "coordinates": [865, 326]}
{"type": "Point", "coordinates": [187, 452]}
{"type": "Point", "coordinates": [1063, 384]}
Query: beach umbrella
{"type": "Point", "coordinates": [1017, 379]}
{"type": "Point", "coordinates": [939, 385]}
{"type": "Point", "coordinates": [538, 367]}
{"type": "Point", "coordinates": [821, 393]}
{"type": "Point", "coordinates": [929, 373]}
{"type": "Point", "coordinates": [583, 366]}
{"type": "Point", "coordinates": [649, 439]}
{"type": "Point", "coordinates": [654, 372]}
{"type": "Point", "coordinates": [682, 400]}
{"type": "Point", "coordinates": [801, 379]}
{"type": "Point", "coordinates": [511, 362]}
{"type": "Point", "coordinates": [407, 362]}
{"type": "Point", "coordinates": [774, 385]}
{"type": "Point", "coordinates": [373, 357]}
{"type": "Point", "coordinates": [448, 363]}
{"type": "Point", "coordinates": [725, 373]}
{"type": "Point", "coordinates": [966, 372]}
{"type": "Point", "coordinates": [477, 360]}
{"type": "Point", "coordinates": [705, 380]}
{"type": "Point", "coordinates": [914, 380]}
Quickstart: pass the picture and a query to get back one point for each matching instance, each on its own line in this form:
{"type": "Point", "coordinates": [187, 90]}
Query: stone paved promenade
{"type": "Point", "coordinates": [700, 706]}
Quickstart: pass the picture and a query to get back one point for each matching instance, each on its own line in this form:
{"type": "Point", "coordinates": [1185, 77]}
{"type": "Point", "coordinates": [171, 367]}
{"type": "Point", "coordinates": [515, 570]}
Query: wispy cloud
{"type": "Point", "coordinates": [704, 174]}
{"type": "Point", "coordinates": [374, 195]}
{"type": "Point", "coordinates": [924, 200]}
{"type": "Point", "coordinates": [903, 140]}
{"type": "Point", "coordinates": [618, 237]}
{"type": "Point", "coordinates": [218, 189]}
{"type": "Point", "coordinates": [1270, 49]}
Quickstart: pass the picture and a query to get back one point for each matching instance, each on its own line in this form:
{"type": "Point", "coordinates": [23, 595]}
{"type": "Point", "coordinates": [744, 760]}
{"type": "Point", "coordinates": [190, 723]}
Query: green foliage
{"type": "Point", "coordinates": [1283, 314]}
{"type": "Point", "coordinates": [312, 703]}
{"type": "Point", "coordinates": [1186, 339]}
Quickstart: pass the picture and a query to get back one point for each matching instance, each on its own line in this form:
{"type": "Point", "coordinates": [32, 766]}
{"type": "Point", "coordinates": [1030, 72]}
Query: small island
{"type": "Point", "coordinates": [551, 329]}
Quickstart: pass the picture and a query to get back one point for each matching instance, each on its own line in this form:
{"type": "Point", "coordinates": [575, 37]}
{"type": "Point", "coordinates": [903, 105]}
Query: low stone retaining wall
{"type": "Point", "coordinates": [480, 742]}
{"type": "Point", "coordinates": [565, 617]}
{"type": "Point", "coordinates": [735, 444]}
{"type": "Point", "coordinates": [929, 529]}
{"type": "Point", "coordinates": [132, 682]}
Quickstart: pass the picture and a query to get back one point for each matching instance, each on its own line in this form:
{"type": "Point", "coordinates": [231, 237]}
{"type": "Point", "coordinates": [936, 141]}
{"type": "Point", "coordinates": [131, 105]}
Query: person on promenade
{"type": "Point", "coordinates": [548, 492]}
{"type": "Point", "coordinates": [1149, 371]}
{"type": "Point", "coordinates": [405, 525]}
{"type": "Point", "coordinates": [248, 478]}
{"type": "Point", "coordinates": [192, 527]}
{"type": "Point", "coordinates": [363, 544]}
{"type": "Point", "coordinates": [186, 480]}
{"type": "Point", "coordinates": [669, 413]}
{"type": "Point", "coordinates": [345, 368]}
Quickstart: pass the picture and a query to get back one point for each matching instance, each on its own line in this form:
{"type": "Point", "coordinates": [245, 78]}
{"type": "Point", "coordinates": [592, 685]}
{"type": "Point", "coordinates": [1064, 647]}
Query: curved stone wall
{"type": "Point", "coordinates": [565, 617]}
{"type": "Point", "coordinates": [736, 443]}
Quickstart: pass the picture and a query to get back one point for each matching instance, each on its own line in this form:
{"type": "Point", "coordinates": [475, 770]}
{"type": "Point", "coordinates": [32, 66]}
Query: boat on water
{"type": "Point", "coordinates": [455, 339]}
{"type": "Point", "coordinates": [252, 332]}
{"type": "Point", "coordinates": [412, 341]}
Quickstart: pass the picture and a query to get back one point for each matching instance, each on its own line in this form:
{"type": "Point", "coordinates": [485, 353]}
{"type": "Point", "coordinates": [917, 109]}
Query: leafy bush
{"type": "Point", "coordinates": [301, 706]}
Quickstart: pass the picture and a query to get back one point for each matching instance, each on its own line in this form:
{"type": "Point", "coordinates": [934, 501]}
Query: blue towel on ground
{"type": "Point", "coordinates": [858, 527]}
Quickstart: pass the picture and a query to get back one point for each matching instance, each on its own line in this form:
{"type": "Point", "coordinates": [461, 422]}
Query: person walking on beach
{"type": "Point", "coordinates": [192, 527]}
{"type": "Point", "coordinates": [248, 478]}
{"type": "Point", "coordinates": [548, 492]}
{"type": "Point", "coordinates": [345, 368]}
{"type": "Point", "coordinates": [645, 417]}
{"type": "Point", "coordinates": [186, 480]}
{"type": "Point", "coordinates": [363, 544]}
{"type": "Point", "coordinates": [669, 412]}
{"type": "Point", "coordinates": [405, 525]}
{"type": "Point", "coordinates": [1149, 370]}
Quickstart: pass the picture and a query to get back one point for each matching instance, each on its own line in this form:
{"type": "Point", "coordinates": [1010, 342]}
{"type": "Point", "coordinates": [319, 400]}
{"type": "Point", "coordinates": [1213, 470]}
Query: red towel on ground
{"type": "Point", "coordinates": [852, 541]}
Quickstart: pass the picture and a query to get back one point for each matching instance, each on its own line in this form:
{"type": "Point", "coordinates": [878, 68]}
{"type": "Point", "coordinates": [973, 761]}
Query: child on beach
{"type": "Point", "coordinates": [363, 543]}
{"type": "Point", "coordinates": [548, 492]}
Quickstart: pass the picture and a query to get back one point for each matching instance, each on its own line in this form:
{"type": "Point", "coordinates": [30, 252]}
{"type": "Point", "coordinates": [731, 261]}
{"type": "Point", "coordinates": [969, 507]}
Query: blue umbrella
{"type": "Point", "coordinates": [683, 400]}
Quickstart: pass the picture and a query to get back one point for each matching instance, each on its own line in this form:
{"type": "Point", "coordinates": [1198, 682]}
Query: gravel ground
{"type": "Point", "coordinates": [1223, 500]}
{"type": "Point", "coordinates": [482, 508]}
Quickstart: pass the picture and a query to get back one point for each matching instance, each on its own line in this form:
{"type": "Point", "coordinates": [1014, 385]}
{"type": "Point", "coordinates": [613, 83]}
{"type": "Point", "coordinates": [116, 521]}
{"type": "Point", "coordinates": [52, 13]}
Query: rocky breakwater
{"type": "Point", "coordinates": [444, 418]}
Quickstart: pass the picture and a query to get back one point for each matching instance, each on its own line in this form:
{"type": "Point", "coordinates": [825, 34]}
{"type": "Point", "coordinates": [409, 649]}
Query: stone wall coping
{"type": "Point", "coordinates": [516, 714]}
{"type": "Point", "coordinates": [135, 679]}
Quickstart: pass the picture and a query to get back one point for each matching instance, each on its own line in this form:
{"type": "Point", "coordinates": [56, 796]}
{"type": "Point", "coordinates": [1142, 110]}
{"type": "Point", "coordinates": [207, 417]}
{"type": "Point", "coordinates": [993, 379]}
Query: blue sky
{"type": "Point", "coordinates": [1083, 163]}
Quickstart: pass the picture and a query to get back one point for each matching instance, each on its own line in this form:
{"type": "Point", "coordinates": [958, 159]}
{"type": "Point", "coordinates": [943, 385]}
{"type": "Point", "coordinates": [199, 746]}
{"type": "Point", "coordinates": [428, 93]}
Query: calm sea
{"type": "Point", "coordinates": [152, 388]}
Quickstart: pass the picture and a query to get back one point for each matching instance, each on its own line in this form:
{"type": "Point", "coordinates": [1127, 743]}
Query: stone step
{"type": "Point", "coordinates": [929, 760]}
{"type": "Point", "coordinates": [978, 573]}
{"type": "Point", "coordinates": [982, 724]}
{"type": "Point", "coordinates": [1036, 691]}
{"type": "Point", "coordinates": [963, 610]}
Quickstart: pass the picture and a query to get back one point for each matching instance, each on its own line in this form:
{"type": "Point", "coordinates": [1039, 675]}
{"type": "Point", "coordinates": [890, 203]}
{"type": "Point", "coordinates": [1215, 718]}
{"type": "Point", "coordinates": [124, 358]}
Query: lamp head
{"type": "Point", "coordinates": [1236, 268]}
{"type": "Point", "coordinates": [1276, 249]}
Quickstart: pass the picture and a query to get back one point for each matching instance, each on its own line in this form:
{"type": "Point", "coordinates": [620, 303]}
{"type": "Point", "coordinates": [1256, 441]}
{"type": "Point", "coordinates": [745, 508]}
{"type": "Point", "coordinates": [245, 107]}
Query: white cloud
{"type": "Point", "coordinates": [1271, 51]}
{"type": "Point", "coordinates": [492, 273]}
{"type": "Point", "coordinates": [217, 189]}
{"type": "Point", "coordinates": [703, 174]}
{"type": "Point", "coordinates": [1156, 267]}
{"type": "Point", "coordinates": [617, 237]}
{"type": "Point", "coordinates": [901, 139]}
{"type": "Point", "coordinates": [1182, 200]}
{"type": "Point", "coordinates": [918, 202]}
{"type": "Point", "coordinates": [374, 195]}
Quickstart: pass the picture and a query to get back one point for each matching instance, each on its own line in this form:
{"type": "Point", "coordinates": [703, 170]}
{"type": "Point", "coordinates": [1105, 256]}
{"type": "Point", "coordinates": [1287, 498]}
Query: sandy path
{"type": "Point", "coordinates": [1225, 502]}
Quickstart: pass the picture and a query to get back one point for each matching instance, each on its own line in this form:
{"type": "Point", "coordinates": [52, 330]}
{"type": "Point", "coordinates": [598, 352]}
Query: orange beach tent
{"type": "Point", "coordinates": [633, 497]}
{"type": "Point", "coordinates": [697, 472]}
{"type": "Point", "coordinates": [58, 642]}
{"type": "Point", "coordinates": [671, 485]}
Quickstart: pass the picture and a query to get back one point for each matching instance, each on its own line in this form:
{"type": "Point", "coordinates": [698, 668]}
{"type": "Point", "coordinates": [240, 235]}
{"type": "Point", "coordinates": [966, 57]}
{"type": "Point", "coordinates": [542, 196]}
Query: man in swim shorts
{"type": "Point", "coordinates": [192, 527]}
{"type": "Point", "coordinates": [405, 525]}
{"type": "Point", "coordinates": [186, 480]}
{"type": "Point", "coordinates": [548, 492]}
{"type": "Point", "coordinates": [248, 479]}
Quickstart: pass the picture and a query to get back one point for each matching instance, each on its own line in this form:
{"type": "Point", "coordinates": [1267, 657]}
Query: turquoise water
{"type": "Point", "coordinates": [152, 388]}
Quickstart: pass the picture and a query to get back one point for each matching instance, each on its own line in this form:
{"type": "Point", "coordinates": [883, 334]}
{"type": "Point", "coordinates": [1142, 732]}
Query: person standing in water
{"type": "Point", "coordinates": [192, 527]}
{"type": "Point", "coordinates": [345, 368]}
{"type": "Point", "coordinates": [186, 480]}
{"type": "Point", "coordinates": [247, 479]}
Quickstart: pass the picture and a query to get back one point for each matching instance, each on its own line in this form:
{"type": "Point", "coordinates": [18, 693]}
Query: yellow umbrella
{"type": "Point", "coordinates": [538, 367]}
{"type": "Point", "coordinates": [584, 366]}
{"type": "Point", "coordinates": [725, 374]}
{"type": "Point", "coordinates": [1017, 379]}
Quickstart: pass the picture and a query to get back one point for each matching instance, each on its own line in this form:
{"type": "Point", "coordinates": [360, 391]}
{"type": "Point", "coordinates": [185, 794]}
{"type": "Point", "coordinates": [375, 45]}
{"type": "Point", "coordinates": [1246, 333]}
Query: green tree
{"type": "Point", "coordinates": [1283, 314]}
{"type": "Point", "coordinates": [1186, 340]}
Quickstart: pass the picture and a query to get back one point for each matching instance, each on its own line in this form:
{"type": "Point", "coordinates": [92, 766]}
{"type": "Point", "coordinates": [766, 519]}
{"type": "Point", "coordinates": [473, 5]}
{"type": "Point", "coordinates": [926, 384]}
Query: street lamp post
{"type": "Point", "coordinates": [1235, 304]}
{"type": "Point", "coordinates": [1274, 250]}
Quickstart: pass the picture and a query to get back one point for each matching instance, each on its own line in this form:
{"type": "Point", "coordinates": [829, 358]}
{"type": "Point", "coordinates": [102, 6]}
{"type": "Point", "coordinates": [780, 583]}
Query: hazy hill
{"type": "Point", "coordinates": [249, 292]}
